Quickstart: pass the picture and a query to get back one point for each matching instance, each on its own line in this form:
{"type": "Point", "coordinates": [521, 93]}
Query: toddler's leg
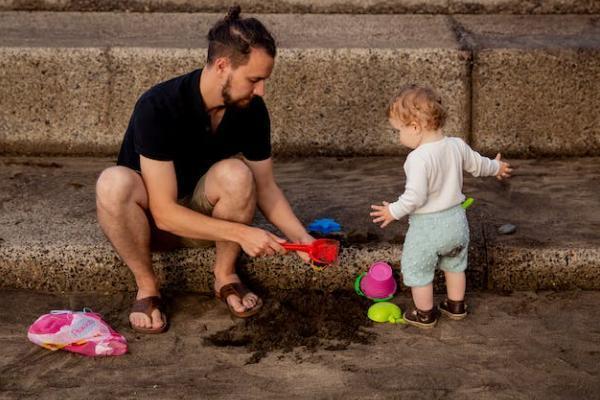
{"type": "Point", "coordinates": [456, 283]}
{"type": "Point", "coordinates": [454, 305]}
{"type": "Point", "coordinates": [423, 297]}
{"type": "Point", "coordinates": [419, 259]}
{"type": "Point", "coordinates": [454, 267]}
{"type": "Point", "coordinates": [423, 315]}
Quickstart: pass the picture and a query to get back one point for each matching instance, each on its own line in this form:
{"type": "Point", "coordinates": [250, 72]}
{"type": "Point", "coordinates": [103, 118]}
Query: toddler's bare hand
{"type": "Point", "coordinates": [382, 214]}
{"type": "Point", "coordinates": [505, 169]}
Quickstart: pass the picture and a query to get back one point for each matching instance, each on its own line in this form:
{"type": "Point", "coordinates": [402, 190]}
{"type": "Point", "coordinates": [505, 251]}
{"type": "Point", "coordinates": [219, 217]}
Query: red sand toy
{"type": "Point", "coordinates": [322, 251]}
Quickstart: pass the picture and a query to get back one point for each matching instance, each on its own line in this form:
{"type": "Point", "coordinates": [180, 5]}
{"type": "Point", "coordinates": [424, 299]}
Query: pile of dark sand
{"type": "Point", "coordinates": [295, 318]}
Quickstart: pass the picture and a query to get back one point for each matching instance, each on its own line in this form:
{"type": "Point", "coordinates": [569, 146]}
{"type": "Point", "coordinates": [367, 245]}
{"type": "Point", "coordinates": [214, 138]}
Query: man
{"type": "Point", "coordinates": [176, 178]}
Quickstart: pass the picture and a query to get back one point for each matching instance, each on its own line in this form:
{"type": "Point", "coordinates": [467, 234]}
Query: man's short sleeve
{"type": "Point", "coordinates": [257, 132]}
{"type": "Point", "coordinates": [152, 132]}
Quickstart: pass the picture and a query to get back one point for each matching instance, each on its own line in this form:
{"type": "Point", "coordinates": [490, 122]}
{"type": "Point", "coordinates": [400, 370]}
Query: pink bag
{"type": "Point", "coordinates": [82, 332]}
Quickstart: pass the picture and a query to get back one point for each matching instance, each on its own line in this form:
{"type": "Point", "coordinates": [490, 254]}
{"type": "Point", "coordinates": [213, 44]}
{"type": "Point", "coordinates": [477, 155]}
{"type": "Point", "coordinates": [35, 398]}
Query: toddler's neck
{"type": "Point", "coordinates": [432, 136]}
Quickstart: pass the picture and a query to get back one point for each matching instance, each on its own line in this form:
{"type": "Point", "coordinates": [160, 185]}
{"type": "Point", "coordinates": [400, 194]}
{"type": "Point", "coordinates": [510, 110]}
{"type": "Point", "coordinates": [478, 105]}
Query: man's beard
{"type": "Point", "coordinates": [229, 101]}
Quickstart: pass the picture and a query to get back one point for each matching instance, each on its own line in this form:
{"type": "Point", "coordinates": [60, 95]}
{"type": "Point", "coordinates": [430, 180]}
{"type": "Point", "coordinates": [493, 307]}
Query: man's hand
{"type": "Point", "coordinates": [257, 242]}
{"type": "Point", "coordinates": [382, 214]}
{"type": "Point", "coordinates": [505, 169]}
{"type": "Point", "coordinates": [303, 255]}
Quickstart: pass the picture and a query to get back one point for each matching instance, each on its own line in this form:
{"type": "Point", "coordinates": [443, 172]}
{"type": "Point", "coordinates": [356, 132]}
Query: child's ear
{"type": "Point", "coordinates": [416, 127]}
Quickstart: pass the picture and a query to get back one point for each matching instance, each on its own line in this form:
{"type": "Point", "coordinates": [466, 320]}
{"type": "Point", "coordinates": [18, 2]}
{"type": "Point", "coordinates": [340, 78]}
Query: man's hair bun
{"type": "Point", "coordinates": [233, 14]}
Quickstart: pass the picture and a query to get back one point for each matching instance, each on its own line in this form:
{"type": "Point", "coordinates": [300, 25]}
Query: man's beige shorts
{"type": "Point", "coordinates": [197, 202]}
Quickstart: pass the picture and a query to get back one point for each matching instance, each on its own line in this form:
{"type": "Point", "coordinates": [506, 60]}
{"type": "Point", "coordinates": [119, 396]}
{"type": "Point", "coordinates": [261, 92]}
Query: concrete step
{"type": "Point", "coordinates": [522, 85]}
{"type": "Point", "coordinates": [316, 6]}
{"type": "Point", "coordinates": [49, 238]}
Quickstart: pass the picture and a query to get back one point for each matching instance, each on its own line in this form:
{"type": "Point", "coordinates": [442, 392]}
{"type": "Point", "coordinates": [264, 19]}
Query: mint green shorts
{"type": "Point", "coordinates": [435, 240]}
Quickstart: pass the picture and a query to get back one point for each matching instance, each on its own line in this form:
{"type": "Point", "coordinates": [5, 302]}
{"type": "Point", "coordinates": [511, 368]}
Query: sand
{"type": "Point", "coordinates": [520, 345]}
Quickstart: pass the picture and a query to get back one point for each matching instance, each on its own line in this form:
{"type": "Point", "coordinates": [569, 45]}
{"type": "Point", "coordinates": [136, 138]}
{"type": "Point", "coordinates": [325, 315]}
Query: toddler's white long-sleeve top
{"type": "Point", "coordinates": [434, 176]}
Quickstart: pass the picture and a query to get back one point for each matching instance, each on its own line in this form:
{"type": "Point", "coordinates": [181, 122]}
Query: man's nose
{"type": "Point", "coordinates": [259, 89]}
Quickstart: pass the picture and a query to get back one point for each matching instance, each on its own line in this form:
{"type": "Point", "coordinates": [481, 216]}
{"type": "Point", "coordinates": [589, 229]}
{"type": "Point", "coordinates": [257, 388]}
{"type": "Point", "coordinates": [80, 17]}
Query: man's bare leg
{"type": "Point", "coordinates": [230, 187]}
{"type": "Point", "coordinates": [121, 202]}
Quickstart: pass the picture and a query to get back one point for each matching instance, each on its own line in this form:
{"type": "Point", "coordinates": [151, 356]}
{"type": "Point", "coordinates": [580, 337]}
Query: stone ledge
{"type": "Point", "coordinates": [49, 238]}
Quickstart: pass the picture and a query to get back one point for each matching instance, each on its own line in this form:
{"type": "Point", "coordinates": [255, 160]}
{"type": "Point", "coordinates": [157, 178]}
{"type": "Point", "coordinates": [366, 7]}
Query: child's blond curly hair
{"type": "Point", "coordinates": [419, 104]}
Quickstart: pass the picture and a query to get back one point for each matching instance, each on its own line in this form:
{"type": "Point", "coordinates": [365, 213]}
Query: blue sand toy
{"type": "Point", "coordinates": [324, 226]}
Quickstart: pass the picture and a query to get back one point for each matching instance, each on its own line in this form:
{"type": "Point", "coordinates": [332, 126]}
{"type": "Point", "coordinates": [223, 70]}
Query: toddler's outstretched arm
{"type": "Point", "coordinates": [478, 165]}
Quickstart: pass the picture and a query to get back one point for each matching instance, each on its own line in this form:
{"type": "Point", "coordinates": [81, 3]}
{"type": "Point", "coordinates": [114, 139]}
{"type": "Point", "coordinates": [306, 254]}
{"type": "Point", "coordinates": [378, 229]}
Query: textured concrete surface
{"type": "Point", "coordinates": [49, 238]}
{"type": "Point", "coordinates": [527, 345]}
{"type": "Point", "coordinates": [54, 100]}
{"type": "Point", "coordinates": [523, 85]}
{"type": "Point", "coordinates": [333, 78]}
{"type": "Point", "coordinates": [317, 6]}
{"type": "Point", "coordinates": [535, 82]}
{"type": "Point", "coordinates": [555, 268]}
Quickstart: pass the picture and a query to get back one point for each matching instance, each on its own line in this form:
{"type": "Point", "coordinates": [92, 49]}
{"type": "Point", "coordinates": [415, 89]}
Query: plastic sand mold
{"type": "Point", "coordinates": [377, 284]}
{"type": "Point", "coordinates": [359, 292]}
{"type": "Point", "coordinates": [324, 226]}
{"type": "Point", "coordinates": [385, 312]}
{"type": "Point", "coordinates": [82, 332]}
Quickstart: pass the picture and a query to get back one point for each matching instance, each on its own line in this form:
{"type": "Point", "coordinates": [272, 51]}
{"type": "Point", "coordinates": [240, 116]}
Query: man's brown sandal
{"type": "Point", "coordinates": [421, 319]}
{"type": "Point", "coordinates": [239, 290]}
{"type": "Point", "coordinates": [455, 310]}
{"type": "Point", "coordinates": [147, 305]}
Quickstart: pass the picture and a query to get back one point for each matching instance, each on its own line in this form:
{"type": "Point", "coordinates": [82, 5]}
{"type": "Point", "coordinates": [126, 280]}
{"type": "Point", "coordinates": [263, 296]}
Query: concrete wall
{"type": "Point", "coordinates": [317, 6]}
{"type": "Point", "coordinates": [536, 84]}
{"type": "Point", "coordinates": [523, 85]}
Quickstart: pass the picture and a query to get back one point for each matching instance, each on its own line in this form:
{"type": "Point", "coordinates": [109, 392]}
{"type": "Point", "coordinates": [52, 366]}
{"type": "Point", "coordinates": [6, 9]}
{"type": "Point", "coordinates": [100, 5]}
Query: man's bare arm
{"type": "Point", "coordinates": [161, 184]}
{"type": "Point", "coordinates": [273, 203]}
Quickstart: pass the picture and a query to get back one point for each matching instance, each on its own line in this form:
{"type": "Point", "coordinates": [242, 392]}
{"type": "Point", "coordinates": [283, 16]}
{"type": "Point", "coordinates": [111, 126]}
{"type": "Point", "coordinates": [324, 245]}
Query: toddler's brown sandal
{"type": "Point", "coordinates": [421, 319]}
{"type": "Point", "coordinates": [455, 310]}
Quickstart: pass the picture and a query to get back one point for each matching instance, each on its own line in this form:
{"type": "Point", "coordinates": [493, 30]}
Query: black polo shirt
{"type": "Point", "coordinates": [169, 123]}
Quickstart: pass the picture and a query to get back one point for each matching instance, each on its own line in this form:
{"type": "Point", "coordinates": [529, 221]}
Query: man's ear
{"type": "Point", "coordinates": [222, 65]}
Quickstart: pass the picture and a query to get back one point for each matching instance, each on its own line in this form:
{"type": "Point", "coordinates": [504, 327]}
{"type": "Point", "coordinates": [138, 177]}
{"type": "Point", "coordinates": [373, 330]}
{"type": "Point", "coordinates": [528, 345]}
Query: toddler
{"type": "Point", "coordinates": [438, 236]}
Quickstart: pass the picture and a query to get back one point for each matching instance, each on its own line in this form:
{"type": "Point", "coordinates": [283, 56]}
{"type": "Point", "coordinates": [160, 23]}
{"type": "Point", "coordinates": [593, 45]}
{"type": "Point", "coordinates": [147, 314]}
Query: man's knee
{"type": "Point", "coordinates": [234, 177]}
{"type": "Point", "coordinates": [119, 185]}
